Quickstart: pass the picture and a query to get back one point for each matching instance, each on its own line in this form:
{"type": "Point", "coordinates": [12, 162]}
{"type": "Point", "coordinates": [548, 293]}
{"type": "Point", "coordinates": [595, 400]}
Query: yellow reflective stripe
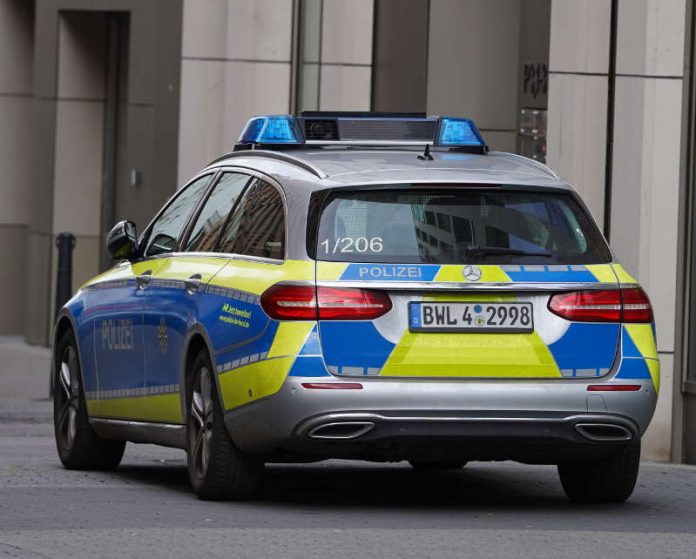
{"type": "Point", "coordinates": [254, 381]}
{"type": "Point", "coordinates": [256, 277]}
{"type": "Point", "coordinates": [163, 408]}
{"type": "Point", "coordinates": [290, 338]}
{"type": "Point", "coordinates": [489, 274]}
{"type": "Point", "coordinates": [623, 275]}
{"type": "Point", "coordinates": [330, 271]}
{"type": "Point", "coordinates": [654, 368]}
{"type": "Point", "coordinates": [603, 272]}
{"type": "Point", "coordinates": [642, 337]}
{"type": "Point", "coordinates": [471, 355]}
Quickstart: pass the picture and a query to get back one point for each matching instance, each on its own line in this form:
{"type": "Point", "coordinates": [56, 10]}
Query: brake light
{"type": "Point", "coordinates": [636, 305]}
{"type": "Point", "coordinates": [613, 387]}
{"type": "Point", "coordinates": [304, 302]}
{"type": "Point", "coordinates": [611, 305]}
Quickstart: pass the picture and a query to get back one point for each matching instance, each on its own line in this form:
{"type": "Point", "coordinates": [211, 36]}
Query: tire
{"type": "Point", "coordinates": [79, 447]}
{"type": "Point", "coordinates": [610, 480]}
{"type": "Point", "coordinates": [217, 469]}
{"type": "Point", "coordinates": [435, 466]}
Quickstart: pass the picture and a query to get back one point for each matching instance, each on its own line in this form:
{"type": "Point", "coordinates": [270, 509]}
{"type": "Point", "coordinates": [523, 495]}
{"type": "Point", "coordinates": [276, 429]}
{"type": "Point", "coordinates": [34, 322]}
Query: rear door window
{"type": "Point", "coordinates": [257, 225]}
{"type": "Point", "coordinates": [212, 217]}
{"type": "Point", "coordinates": [458, 225]}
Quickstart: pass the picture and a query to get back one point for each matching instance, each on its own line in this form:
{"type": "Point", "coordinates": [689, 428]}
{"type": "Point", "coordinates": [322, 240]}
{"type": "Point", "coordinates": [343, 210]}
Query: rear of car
{"type": "Point", "coordinates": [461, 322]}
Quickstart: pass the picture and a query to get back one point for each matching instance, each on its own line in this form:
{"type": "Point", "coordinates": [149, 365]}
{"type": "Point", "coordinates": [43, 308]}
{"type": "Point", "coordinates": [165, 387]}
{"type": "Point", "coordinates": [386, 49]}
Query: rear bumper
{"type": "Point", "coordinates": [395, 419]}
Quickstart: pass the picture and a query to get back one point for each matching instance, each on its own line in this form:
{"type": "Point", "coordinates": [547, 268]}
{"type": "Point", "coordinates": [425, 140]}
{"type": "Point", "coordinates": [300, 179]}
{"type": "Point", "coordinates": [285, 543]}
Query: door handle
{"type": "Point", "coordinates": [144, 279]}
{"type": "Point", "coordinates": [193, 284]}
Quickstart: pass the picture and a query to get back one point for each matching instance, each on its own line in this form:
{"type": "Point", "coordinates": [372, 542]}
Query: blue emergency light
{"type": "Point", "coordinates": [320, 129]}
{"type": "Point", "coordinates": [273, 129]}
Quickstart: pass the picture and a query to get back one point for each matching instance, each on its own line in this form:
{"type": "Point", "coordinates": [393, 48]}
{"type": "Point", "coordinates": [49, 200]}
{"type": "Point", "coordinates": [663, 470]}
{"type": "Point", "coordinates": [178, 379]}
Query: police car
{"type": "Point", "coordinates": [362, 286]}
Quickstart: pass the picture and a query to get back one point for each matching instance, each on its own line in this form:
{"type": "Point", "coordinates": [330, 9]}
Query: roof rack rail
{"type": "Point", "coordinates": [538, 164]}
{"type": "Point", "coordinates": [277, 155]}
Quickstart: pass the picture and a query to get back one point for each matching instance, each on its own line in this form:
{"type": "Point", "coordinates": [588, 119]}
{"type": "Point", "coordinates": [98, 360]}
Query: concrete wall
{"type": "Point", "coordinates": [79, 134]}
{"type": "Point", "coordinates": [400, 58]}
{"type": "Point", "coordinates": [235, 64]}
{"type": "Point", "coordinates": [645, 179]}
{"type": "Point", "coordinates": [67, 88]}
{"type": "Point", "coordinates": [646, 147]}
{"type": "Point", "coordinates": [483, 37]}
{"type": "Point", "coordinates": [16, 154]}
{"type": "Point", "coordinates": [577, 118]}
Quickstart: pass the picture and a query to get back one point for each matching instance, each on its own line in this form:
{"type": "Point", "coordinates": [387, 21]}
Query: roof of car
{"type": "Point", "coordinates": [335, 167]}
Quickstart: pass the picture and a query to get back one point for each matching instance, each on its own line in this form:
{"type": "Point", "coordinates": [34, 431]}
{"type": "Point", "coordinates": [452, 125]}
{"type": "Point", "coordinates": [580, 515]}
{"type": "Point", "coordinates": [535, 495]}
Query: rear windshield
{"type": "Point", "coordinates": [458, 225]}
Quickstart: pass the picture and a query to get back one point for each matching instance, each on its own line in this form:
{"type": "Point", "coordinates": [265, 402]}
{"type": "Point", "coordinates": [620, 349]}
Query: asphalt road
{"type": "Point", "coordinates": [333, 509]}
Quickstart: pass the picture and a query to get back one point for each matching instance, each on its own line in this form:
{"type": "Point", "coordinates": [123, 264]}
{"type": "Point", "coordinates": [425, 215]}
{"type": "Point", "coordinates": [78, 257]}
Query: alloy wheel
{"type": "Point", "coordinates": [67, 395]}
{"type": "Point", "coordinates": [201, 422]}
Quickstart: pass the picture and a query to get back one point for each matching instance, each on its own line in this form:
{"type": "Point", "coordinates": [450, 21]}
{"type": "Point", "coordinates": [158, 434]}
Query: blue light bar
{"type": "Point", "coordinates": [458, 132]}
{"type": "Point", "coordinates": [275, 129]}
{"type": "Point", "coordinates": [310, 130]}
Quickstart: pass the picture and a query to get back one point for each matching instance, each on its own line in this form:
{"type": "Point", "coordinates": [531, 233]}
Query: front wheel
{"type": "Point", "coordinates": [79, 447]}
{"type": "Point", "coordinates": [609, 480]}
{"type": "Point", "coordinates": [217, 468]}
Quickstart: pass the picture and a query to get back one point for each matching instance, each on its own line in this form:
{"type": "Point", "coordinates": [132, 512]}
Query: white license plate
{"type": "Point", "coordinates": [470, 317]}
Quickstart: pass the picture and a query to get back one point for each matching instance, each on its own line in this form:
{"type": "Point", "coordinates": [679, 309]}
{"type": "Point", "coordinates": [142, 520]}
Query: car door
{"type": "Point", "coordinates": [251, 355]}
{"type": "Point", "coordinates": [177, 283]}
{"type": "Point", "coordinates": [118, 315]}
{"type": "Point", "coordinates": [110, 328]}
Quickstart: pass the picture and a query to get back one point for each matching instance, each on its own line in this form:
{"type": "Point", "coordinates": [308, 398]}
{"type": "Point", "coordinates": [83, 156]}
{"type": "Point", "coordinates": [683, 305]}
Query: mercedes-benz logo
{"type": "Point", "coordinates": [471, 273]}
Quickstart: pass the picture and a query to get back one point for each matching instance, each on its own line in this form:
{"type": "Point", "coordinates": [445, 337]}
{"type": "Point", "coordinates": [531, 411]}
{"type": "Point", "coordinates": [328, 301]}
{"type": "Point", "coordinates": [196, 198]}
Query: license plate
{"type": "Point", "coordinates": [470, 317]}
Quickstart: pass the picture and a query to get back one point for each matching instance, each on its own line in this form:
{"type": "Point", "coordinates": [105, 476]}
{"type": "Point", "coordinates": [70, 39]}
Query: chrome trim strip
{"type": "Point", "coordinates": [352, 418]}
{"type": "Point", "coordinates": [469, 286]}
{"type": "Point", "coordinates": [164, 434]}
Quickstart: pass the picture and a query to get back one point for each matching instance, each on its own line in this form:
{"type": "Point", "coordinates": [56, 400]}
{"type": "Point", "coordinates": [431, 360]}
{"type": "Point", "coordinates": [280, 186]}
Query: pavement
{"type": "Point", "coordinates": [330, 509]}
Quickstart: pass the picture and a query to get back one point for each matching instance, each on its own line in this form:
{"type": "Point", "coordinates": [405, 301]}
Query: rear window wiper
{"type": "Point", "coordinates": [491, 250]}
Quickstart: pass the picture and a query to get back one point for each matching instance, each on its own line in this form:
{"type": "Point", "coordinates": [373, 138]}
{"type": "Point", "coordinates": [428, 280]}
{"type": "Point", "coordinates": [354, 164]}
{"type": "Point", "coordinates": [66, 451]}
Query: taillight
{"type": "Point", "coordinates": [290, 302]}
{"type": "Point", "coordinates": [304, 302]}
{"type": "Point", "coordinates": [611, 305]}
{"type": "Point", "coordinates": [636, 305]}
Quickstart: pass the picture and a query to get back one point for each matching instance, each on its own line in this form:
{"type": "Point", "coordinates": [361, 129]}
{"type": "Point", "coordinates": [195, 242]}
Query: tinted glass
{"type": "Point", "coordinates": [457, 225]}
{"type": "Point", "coordinates": [213, 215]}
{"type": "Point", "coordinates": [257, 227]}
{"type": "Point", "coordinates": [166, 231]}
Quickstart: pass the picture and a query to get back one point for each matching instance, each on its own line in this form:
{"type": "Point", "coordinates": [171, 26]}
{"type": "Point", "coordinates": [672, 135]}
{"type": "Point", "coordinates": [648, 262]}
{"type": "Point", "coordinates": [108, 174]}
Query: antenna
{"type": "Point", "coordinates": [425, 156]}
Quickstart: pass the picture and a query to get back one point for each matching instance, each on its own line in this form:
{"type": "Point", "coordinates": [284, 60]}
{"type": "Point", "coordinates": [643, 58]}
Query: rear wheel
{"type": "Point", "coordinates": [217, 468]}
{"type": "Point", "coordinates": [433, 466]}
{"type": "Point", "coordinates": [609, 480]}
{"type": "Point", "coordinates": [79, 447]}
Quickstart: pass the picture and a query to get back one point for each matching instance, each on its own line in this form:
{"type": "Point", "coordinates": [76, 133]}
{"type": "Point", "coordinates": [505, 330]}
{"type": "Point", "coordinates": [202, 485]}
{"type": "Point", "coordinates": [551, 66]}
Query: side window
{"type": "Point", "coordinates": [212, 217]}
{"type": "Point", "coordinates": [165, 232]}
{"type": "Point", "coordinates": [257, 226]}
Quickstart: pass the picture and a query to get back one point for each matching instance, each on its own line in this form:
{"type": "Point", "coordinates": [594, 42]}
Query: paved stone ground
{"type": "Point", "coordinates": [332, 509]}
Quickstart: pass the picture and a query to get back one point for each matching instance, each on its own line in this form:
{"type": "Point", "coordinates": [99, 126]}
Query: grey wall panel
{"type": "Point", "coordinates": [13, 249]}
{"type": "Point", "coordinates": [148, 130]}
{"type": "Point", "coordinates": [400, 57]}
{"type": "Point", "coordinates": [473, 59]}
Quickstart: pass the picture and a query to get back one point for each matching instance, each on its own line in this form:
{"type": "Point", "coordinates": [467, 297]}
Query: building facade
{"type": "Point", "coordinates": [107, 106]}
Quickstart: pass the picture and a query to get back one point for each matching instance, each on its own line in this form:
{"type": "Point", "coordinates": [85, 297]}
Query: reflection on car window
{"type": "Point", "coordinates": [166, 231]}
{"type": "Point", "coordinates": [456, 226]}
{"type": "Point", "coordinates": [212, 217]}
{"type": "Point", "coordinates": [257, 227]}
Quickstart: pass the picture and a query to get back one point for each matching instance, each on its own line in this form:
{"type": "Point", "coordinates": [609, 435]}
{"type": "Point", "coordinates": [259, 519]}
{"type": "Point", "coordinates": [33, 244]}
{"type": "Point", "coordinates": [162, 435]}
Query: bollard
{"type": "Point", "coordinates": [65, 243]}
